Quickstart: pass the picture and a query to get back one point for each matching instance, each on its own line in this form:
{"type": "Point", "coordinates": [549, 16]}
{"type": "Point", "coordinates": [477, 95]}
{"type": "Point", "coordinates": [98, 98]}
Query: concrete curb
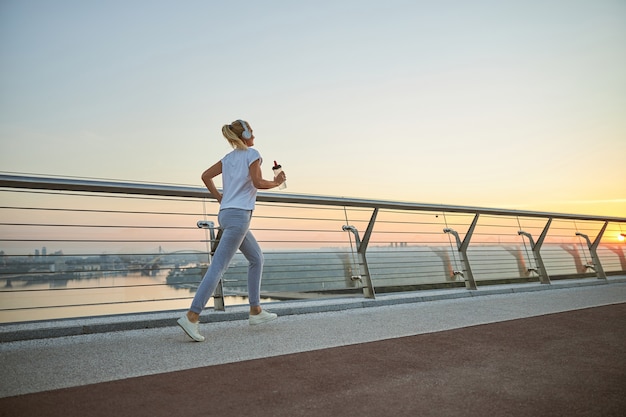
{"type": "Point", "coordinates": [13, 332]}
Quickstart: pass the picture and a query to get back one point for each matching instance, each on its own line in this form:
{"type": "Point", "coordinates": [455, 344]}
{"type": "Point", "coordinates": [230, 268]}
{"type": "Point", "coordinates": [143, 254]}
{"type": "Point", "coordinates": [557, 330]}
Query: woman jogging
{"type": "Point", "coordinates": [241, 178]}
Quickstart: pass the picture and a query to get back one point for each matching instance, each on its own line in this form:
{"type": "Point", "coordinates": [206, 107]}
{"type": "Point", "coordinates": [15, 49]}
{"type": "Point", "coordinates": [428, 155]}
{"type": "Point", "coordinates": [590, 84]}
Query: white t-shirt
{"type": "Point", "coordinates": [238, 190]}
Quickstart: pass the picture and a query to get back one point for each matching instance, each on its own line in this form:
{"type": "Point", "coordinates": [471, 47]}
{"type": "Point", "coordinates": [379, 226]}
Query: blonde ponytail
{"type": "Point", "coordinates": [232, 133]}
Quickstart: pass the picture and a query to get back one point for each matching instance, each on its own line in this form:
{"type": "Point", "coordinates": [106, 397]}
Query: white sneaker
{"type": "Point", "coordinates": [190, 328]}
{"type": "Point", "coordinates": [262, 317]}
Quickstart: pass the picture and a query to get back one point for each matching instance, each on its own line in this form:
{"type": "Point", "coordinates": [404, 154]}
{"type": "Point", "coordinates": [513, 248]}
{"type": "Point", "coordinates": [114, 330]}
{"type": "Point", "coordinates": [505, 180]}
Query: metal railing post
{"type": "Point", "coordinates": [470, 283]}
{"type": "Point", "coordinates": [361, 246]}
{"type": "Point", "coordinates": [218, 294]}
{"type": "Point", "coordinates": [544, 278]}
{"type": "Point", "coordinates": [597, 266]}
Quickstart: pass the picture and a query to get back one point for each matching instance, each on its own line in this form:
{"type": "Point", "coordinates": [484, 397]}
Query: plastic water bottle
{"type": "Point", "coordinates": [277, 170]}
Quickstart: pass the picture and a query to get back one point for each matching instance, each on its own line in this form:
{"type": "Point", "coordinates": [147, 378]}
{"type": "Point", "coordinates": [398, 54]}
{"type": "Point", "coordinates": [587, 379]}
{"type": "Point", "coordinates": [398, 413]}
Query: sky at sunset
{"type": "Point", "coordinates": [507, 104]}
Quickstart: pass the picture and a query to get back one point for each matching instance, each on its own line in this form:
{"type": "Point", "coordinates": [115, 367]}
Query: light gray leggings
{"type": "Point", "coordinates": [235, 225]}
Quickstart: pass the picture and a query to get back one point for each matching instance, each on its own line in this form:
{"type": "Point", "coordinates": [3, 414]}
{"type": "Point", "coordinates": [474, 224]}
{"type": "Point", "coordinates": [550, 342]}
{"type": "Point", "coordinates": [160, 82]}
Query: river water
{"type": "Point", "coordinates": [131, 293]}
{"type": "Point", "coordinates": [285, 275]}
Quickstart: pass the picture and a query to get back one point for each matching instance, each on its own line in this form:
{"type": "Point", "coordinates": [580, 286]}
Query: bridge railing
{"type": "Point", "coordinates": [77, 247]}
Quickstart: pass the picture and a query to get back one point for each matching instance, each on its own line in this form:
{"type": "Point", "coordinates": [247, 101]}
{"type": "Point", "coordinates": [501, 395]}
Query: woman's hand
{"type": "Point", "coordinates": [259, 182]}
{"type": "Point", "coordinates": [280, 178]}
{"type": "Point", "coordinates": [207, 178]}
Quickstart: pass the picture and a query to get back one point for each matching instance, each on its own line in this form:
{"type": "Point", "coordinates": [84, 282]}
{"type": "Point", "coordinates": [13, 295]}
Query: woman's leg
{"type": "Point", "coordinates": [234, 224]}
{"type": "Point", "coordinates": [253, 253]}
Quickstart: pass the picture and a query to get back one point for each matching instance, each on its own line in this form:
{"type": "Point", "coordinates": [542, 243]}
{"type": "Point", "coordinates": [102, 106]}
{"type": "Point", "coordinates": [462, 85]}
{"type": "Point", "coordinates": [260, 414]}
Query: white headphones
{"type": "Point", "coordinates": [246, 133]}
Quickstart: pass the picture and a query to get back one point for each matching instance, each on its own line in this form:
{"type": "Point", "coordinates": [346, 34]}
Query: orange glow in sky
{"type": "Point", "coordinates": [491, 104]}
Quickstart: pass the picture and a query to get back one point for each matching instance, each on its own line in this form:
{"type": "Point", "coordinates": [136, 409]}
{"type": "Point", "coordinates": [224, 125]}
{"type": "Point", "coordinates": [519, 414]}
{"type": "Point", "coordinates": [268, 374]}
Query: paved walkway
{"type": "Point", "coordinates": [453, 353]}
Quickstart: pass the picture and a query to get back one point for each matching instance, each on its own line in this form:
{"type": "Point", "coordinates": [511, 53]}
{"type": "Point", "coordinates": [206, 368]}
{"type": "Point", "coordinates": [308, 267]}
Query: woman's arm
{"type": "Point", "coordinates": [257, 177]}
{"type": "Point", "coordinates": [207, 178]}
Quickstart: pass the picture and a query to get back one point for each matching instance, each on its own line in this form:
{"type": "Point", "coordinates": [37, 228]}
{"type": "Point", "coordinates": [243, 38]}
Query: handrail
{"type": "Point", "coordinates": [406, 253]}
{"type": "Point", "coordinates": [66, 184]}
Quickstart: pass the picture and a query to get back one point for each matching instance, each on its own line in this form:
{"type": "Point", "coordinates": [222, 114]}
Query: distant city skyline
{"type": "Point", "coordinates": [485, 103]}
